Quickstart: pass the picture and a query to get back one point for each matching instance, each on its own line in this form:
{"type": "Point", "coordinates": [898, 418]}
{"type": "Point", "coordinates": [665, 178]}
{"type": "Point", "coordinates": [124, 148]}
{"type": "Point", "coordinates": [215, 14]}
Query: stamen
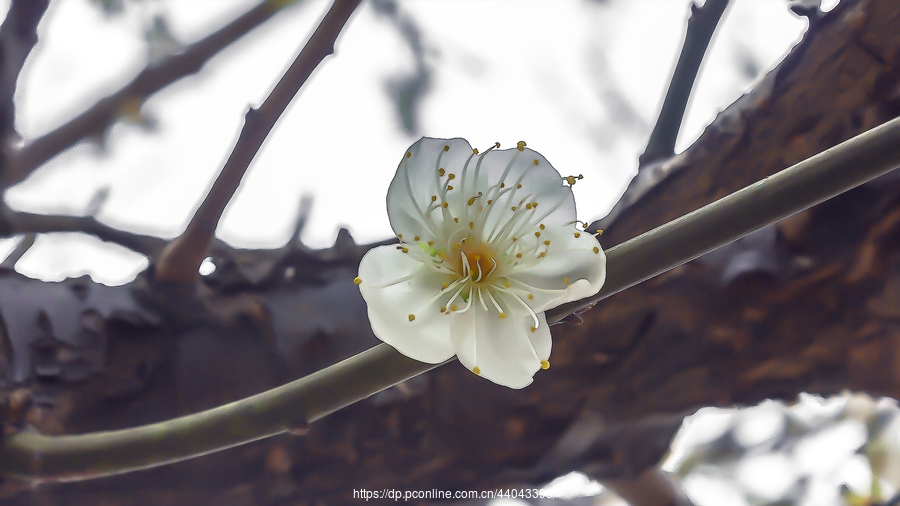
{"type": "Point", "coordinates": [545, 364]}
{"type": "Point", "coordinates": [481, 299]}
{"type": "Point", "coordinates": [357, 280]}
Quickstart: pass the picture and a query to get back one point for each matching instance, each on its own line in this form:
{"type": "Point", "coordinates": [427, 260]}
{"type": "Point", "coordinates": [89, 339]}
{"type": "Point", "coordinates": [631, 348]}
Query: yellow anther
{"type": "Point", "coordinates": [545, 364]}
{"type": "Point", "coordinates": [443, 309]}
{"type": "Point", "coordinates": [546, 243]}
{"type": "Point", "coordinates": [399, 236]}
{"type": "Point", "coordinates": [444, 285]}
{"type": "Point", "coordinates": [496, 144]}
{"type": "Point", "coordinates": [475, 151]}
{"type": "Point", "coordinates": [476, 370]}
{"type": "Point", "coordinates": [533, 328]}
{"type": "Point", "coordinates": [518, 255]}
{"type": "Point", "coordinates": [444, 205]}
{"type": "Point", "coordinates": [408, 154]}
{"type": "Point", "coordinates": [357, 280]}
{"type": "Point", "coordinates": [431, 243]}
{"type": "Point", "coordinates": [433, 198]}
{"type": "Point", "coordinates": [518, 186]}
{"type": "Point", "coordinates": [412, 317]}
{"type": "Point", "coordinates": [528, 206]}
{"type": "Point", "coordinates": [530, 296]}
{"type": "Point", "coordinates": [596, 249]}
{"type": "Point", "coordinates": [566, 280]}
{"type": "Point", "coordinates": [405, 250]}
{"type": "Point", "coordinates": [449, 187]}
{"type": "Point", "coordinates": [513, 208]}
{"type": "Point", "coordinates": [456, 220]}
{"type": "Point", "coordinates": [416, 238]}
{"type": "Point", "coordinates": [599, 233]}
{"type": "Point", "coordinates": [515, 239]}
{"type": "Point", "coordinates": [440, 172]}
{"type": "Point", "coordinates": [534, 204]}
{"type": "Point", "coordinates": [542, 226]}
{"type": "Point", "coordinates": [577, 235]}
{"type": "Point", "coordinates": [535, 161]}
{"type": "Point", "coordinates": [537, 234]}
{"type": "Point", "coordinates": [442, 256]}
{"type": "Point", "coordinates": [506, 284]}
{"type": "Point", "coordinates": [446, 148]}
{"type": "Point", "coordinates": [520, 145]}
{"type": "Point", "coordinates": [543, 254]}
{"type": "Point", "coordinates": [472, 225]}
{"type": "Point", "coordinates": [476, 257]}
{"type": "Point", "coordinates": [451, 176]}
{"type": "Point", "coordinates": [452, 308]}
{"type": "Point", "coordinates": [502, 185]}
{"type": "Point", "coordinates": [489, 202]}
{"type": "Point", "coordinates": [502, 315]}
{"type": "Point", "coordinates": [456, 245]}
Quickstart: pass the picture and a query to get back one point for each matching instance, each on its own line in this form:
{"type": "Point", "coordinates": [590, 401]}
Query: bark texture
{"type": "Point", "coordinates": [811, 304]}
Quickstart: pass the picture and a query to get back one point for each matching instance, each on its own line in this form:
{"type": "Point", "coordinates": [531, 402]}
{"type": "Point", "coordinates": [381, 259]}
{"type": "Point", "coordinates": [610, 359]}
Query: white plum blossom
{"type": "Point", "coordinates": [488, 242]}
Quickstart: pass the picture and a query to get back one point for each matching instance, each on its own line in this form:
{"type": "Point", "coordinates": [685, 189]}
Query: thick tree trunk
{"type": "Point", "coordinates": [809, 305]}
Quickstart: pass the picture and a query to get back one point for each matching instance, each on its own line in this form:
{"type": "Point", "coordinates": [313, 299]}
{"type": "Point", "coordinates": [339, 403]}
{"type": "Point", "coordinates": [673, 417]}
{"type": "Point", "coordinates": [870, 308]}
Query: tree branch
{"type": "Point", "coordinates": [24, 245]}
{"type": "Point", "coordinates": [701, 26]}
{"type": "Point", "coordinates": [294, 405]}
{"type": "Point", "coordinates": [181, 258]}
{"type": "Point", "coordinates": [19, 222]}
{"type": "Point", "coordinates": [18, 35]}
{"type": "Point", "coordinates": [154, 77]}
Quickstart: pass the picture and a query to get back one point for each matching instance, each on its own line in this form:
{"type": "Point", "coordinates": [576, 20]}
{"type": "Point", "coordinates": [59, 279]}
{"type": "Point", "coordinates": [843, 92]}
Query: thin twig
{"type": "Point", "coordinates": [305, 208]}
{"type": "Point", "coordinates": [18, 35]}
{"type": "Point", "coordinates": [701, 25]}
{"type": "Point", "coordinates": [13, 223]}
{"type": "Point", "coordinates": [24, 245]}
{"type": "Point", "coordinates": [181, 258]}
{"type": "Point", "coordinates": [296, 404]}
{"type": "Point", "coordinates": [103, 114]}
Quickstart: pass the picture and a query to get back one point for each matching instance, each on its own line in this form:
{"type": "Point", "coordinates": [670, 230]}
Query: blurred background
{"type": "Point", "coordinates": [580, 81]}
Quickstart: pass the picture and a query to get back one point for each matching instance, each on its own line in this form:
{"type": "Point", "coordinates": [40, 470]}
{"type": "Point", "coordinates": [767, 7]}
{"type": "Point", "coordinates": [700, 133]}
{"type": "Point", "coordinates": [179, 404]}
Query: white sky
{"type": "Point", "coordinates": [500, 71]}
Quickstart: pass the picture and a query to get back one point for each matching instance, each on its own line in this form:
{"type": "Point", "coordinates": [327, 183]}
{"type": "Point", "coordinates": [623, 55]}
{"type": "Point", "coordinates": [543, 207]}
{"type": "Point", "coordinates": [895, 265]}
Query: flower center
{"type": "Point", "coordinates": [480, 260]}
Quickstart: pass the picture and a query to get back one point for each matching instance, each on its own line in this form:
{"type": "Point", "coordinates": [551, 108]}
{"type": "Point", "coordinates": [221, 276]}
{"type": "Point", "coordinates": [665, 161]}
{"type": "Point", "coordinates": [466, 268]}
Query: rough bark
{"type": "Point", "coordinates": [808, 305]}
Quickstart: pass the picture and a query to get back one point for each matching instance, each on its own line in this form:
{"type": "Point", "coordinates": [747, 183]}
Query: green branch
{"type": "Point", "coordinates": [293, 406]}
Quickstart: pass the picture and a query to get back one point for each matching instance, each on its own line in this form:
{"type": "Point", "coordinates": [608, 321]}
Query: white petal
{"type": "Point", "coordinates": [427, 338]}
{"type": "Point", "coordinates": [505, 350]}
{"type": "Point", "coordinates": [417, 180]}
{"type": "Point", "coordinates": [568, 257]}
{"type": "Point", "coordinates": [541, 183]}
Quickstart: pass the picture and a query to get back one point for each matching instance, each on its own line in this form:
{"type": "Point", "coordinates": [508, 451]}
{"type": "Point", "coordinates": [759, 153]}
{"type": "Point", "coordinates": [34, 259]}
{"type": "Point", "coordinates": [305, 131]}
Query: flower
{"type": "Point", "coordinates": [487, 243]}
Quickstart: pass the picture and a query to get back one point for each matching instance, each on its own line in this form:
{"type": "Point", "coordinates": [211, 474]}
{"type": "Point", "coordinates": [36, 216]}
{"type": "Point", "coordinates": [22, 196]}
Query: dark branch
{"type": "Point", "coordinates": [700, 29]}
{"type": "Point", "coordinates": [181, 258]}
{"type": "Point", "coordinates": [18, 35]}
{"type": "Point", "coordinates": [100, 116]}
{"type": "Point", "coordinates": [19, 222]}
